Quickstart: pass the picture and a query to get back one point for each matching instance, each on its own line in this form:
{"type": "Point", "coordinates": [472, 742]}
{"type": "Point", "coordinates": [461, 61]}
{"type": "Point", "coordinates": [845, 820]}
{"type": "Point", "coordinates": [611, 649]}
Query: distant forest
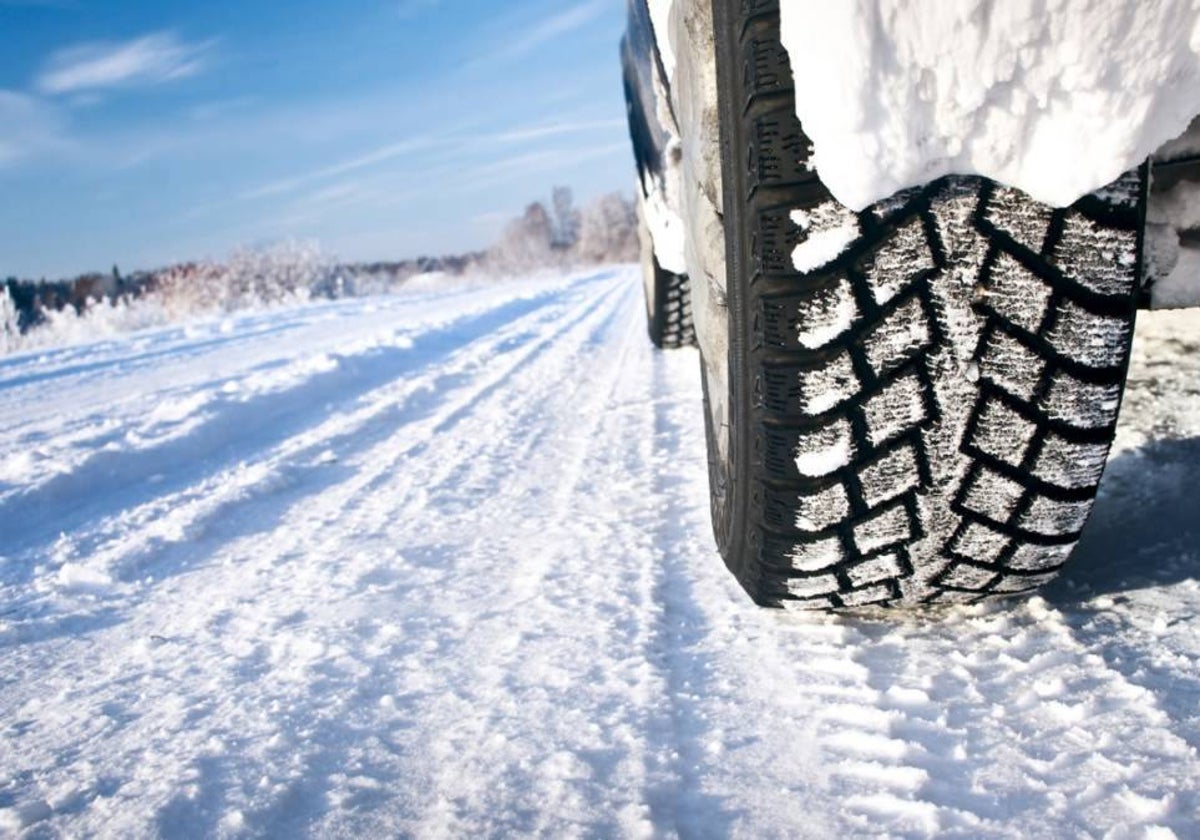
{"type": "Point", "coordinates": [558, 235]}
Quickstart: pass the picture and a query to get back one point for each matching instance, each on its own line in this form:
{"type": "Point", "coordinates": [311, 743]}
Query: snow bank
{"type": "Point", "coordinates": [1054, 97]}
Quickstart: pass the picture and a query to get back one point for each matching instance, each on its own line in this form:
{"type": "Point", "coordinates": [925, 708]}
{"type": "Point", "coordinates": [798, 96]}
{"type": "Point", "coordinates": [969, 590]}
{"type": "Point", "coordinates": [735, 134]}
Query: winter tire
{"type": "Point", "coordinates": [921, 412]}
{"type": "Point", "coordinates": [668, 304]}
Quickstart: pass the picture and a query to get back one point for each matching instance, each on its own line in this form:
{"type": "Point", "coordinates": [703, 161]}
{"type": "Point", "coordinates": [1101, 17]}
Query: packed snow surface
{"type": "Point", "coordinates": [439, 565]}
{"type": "Point", "coordinates": [1054, 97]}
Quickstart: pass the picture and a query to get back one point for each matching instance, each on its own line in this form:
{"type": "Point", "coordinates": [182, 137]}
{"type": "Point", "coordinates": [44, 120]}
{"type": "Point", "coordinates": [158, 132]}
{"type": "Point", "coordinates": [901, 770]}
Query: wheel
{"type": "Point", "coordinates": [668, 301]}
{"type": "Point", "coordinates": [918, 399]}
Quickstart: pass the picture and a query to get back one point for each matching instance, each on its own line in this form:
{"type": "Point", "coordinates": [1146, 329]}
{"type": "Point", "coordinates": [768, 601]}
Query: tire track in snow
{"type": "Point", "coordinates": [485, 600]}
{"type": "Point", "coordinates": [222, 439]}
{"type": "Point", "coordinates": [134, 540]}
{"type": "Point", "coordinates": [340, 575]}
{"type": "Point", "coordinates": [126, 409]}
{"type": "Point", "coordinates": [996, 722]}
{"type": "Point", "coordinates": [559, 591]}
{"type": "Point", "coordinates": [462, 597]}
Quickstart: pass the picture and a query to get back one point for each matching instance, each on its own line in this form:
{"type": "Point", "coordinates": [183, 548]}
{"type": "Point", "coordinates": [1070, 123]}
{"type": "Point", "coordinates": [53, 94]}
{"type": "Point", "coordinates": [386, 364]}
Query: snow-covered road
{"type": "Point", "coordinates": [439, 565]}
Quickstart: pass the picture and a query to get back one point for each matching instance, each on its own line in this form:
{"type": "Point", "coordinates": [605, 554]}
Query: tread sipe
{"type": "Point", "coordinates": [923, 416]}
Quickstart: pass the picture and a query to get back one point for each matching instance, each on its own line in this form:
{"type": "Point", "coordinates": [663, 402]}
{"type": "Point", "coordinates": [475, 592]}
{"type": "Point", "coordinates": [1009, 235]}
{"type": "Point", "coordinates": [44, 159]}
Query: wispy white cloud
{"type": "Point", "coordinates": [28, 126]}
{"type": "Point", "coordinates": [391, 151]}
{"type": "Point", "coordinates": [151, 59]}
{"type": "Point", "coordinates": [568, 20]}
{"type": "Point", "coordinates": [538, 132]}
{"type": "Point", "coordinates": [528, 163]}
{"type": "Point", "coordinates": [379, 155]}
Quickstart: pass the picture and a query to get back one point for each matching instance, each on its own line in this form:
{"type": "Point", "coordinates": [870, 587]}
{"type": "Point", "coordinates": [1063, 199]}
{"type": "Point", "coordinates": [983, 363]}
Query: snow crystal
{"type": "Point", "coordinates": [828, 386]}
{"type": "Point", "coordinates": [876, 569]}
{"type": "Point", "coordinates": [822, 452]}
{"type": "Point", "coordinates": [826, 314]}
{"type": "Point", "coordinates": [810, 586]}
{"type": "Point", "coordinates": [1054, 98]}
{"type": "Point", "coordinates": [814, 556]}
{"type": "Point", "coordinates": [822, 509]}
{"type": "Point", "coordinates": [828, 230]}
{"type": "Point", "coordinates": [886, 528]}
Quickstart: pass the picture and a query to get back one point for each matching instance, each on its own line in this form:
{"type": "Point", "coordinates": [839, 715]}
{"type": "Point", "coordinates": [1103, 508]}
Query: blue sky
{"type": "Point", "coordinates": [146, 132]}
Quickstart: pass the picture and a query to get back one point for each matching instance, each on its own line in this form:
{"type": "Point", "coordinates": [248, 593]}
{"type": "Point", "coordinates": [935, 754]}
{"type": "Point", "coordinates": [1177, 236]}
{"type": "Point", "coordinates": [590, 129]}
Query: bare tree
{"type": "Point", "coordinates": [608, 230]}
{"type": "Point", "coordinates": [10, 328]}
{"type": "Point", "coordinates": [566, 219]}
{"type": "Point", "coordinates": [526, 242]}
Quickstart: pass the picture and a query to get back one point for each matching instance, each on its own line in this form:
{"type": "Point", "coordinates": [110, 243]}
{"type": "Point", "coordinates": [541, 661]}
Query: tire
{"type": "Point", "coordinates": [923, 416]}
{"type": "Point", "coordinates": [668, 300]}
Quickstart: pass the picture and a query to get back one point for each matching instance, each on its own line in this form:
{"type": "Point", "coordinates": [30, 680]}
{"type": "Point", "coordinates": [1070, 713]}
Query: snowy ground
{"type": "Point", "coordinates": [439, 566]}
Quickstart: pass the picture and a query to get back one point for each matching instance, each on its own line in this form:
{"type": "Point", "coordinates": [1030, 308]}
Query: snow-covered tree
{"type": "Point", "coordinates": [608, 230]}
{"type": "Point", "coordinates": [526, 243]}
{"type": "Point", "coordinates": [10, 329]}
{"type": "Point", "coordinates": [566, 219]}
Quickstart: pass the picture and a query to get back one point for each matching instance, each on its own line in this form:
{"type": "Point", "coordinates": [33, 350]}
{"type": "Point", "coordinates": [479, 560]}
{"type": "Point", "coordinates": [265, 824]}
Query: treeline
{"type": "Point", "coordinates": [558, 236]}
{"type": "Point", "coordinates": [605, 231]}
{"type": "Point", "coordinates": [248, 277]}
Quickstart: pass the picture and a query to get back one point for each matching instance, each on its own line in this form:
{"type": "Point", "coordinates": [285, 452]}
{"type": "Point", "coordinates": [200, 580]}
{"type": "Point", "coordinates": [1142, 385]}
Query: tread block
{"type": "Point", "coordinates": [1067, 464]}
{"type": "Point", "coordinates": [1098, 257]}
{"type": "Point", "coordinates": [1011, 366]}
{"type": "Point", "coordinates": [968, 576]}
{"type": "Point", "coordinates": [825, 314]}
{"type": "Point", "coordinates": [1053, 518]}
{"type": "Point", "coordinates": [807, 605]}
{"type": "Point", "coordinates": [1029, 557]}
{"type": "Point", "coordinates": [878, 568]}
{"type": "Point", "coordinates": [1097, 341]}
{"type": "Point", "coordinates": [1013, 214]}
{"type": "Point", "coordinates": [878, 594]}
{"type": "Point", "coordinates": [992, 495]}
{"type": "Point", "coordinates": [779, 151]}
{"type": "Point", "coordinates": [896, 204]}
{"type": "Point", "coordinates": [890, 476]}
{"type": "Point", "coordinates": [976, 541]}
{"type": "Point", "coordinates": [824, 233]}
{"type": "Point", "coordinates": [895, 410]}
{"type": "Point", "coordinates": [813, 391]}
{"type": "Point", "coordinates": [775, 237]}
{"type": "Point", "coordinates": [900, 337]}
{"type": "Point", "coordinates": [767, 68]}
{"type": "Point", "coordinates": [810, 587]}
{"type": "Point", "coordinates": [1002, 433]}
{"type": "Point", "coordinates": [1085, 405]}
{"type": "Point", "coordinates": [1016, 294]}
{"type": "Point", "coordinates": [823, 451]}
{"type": "Point", "coordinates": [1016, 584]}
{"type": "Point", "coordinates": [808, 512]}
{"type": "Point", "coordinates": [811, 320]}
{"type": "Point", "coordinates": [888, 527]}
{"type": "Point", "coordinates": [815, 555]}
{"type": "Point", "coordinates": [902, 258]}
